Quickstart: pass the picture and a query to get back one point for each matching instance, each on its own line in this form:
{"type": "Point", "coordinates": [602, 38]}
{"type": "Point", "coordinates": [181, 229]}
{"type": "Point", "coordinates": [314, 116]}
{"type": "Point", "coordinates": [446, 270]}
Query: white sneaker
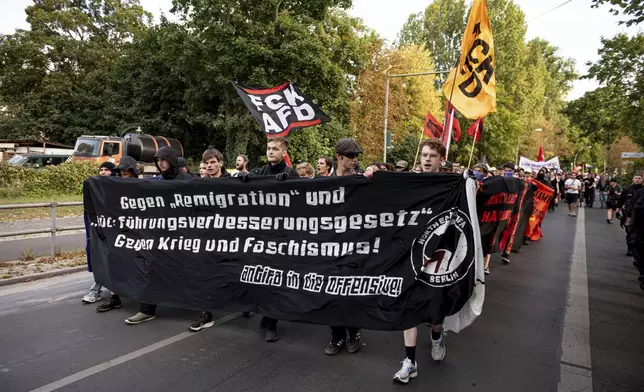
{"type": "Point", "coordinates": [91, 297]}
{"type": "Point", "coordinates": [438, 349]}
{"type": "Point", "coordinates": [407, 371]}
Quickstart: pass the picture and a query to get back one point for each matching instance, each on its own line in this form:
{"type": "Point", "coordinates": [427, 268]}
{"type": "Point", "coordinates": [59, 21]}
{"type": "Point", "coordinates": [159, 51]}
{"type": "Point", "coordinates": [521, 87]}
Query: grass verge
{"type": "Point", "coordinates": [12, 269]}
{"type": "Point", "coordinates": [39, 213]}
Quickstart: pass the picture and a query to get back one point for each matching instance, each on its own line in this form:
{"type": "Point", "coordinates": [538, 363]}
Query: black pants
{"type": "Point", "coordinates": [631, 238]}
{"type": "Point", "coordinates": [341, 332]}
{"type": "Point", "coordinates": [269, 324]}
{"type": "Point", "coordinates": [148, 309]}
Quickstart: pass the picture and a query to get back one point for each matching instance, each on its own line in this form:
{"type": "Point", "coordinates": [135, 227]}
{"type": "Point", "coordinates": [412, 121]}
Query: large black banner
{"type": "Point", "coordinates": [385, 253]}
{"type": "Point", "coordinates": [279, 110]}
{"type": "Point", "coordinates": [499, 204]}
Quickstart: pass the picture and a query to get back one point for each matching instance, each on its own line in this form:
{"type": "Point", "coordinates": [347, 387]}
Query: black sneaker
{"type": "Point", "coordinates": [526, 242]}
{"type": "Point", "coordinates": [505, 258]}
{"type": "Point", "coordinates": [113, 303]}
{"type": "Point", "coordinates": [204, 321]}
{"type": "Point", "coordinates": [271, 335]}
{"type": "Point", "coordinates": [334, 346]}
{"type": "Point", "coordinates": [353, 344]}
{"type": "Point", "coordinates": [247, 314]}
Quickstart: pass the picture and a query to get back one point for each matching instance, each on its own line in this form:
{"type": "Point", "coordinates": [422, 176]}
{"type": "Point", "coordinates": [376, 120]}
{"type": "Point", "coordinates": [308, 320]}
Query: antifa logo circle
{"type": "Point", "coordinates": [444, 252]}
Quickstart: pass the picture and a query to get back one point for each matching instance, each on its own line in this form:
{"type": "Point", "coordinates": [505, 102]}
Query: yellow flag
{"type": "Point", "coordinates": [473, 91]}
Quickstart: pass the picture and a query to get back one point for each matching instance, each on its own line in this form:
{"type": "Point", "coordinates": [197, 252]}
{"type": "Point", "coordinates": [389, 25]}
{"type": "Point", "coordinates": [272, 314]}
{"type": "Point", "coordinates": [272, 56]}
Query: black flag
{"type": "Point", "coordinates": [279, 110]}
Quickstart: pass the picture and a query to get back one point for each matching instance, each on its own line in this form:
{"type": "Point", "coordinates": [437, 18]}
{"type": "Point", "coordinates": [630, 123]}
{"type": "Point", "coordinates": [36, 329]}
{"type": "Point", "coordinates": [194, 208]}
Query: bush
{"type": "Point", "coordinates": [62, 179]}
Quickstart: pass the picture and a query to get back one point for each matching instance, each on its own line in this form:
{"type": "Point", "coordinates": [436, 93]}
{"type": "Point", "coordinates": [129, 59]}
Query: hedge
{"type": "Point", "coordinates": [61, 179]}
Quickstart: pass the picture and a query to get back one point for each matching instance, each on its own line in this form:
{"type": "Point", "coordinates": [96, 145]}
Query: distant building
{"type": "Point", "coordinates": [9, 148]}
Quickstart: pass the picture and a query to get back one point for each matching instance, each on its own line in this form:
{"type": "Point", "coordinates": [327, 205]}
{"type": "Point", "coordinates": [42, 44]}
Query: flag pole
{"type": "Point", "coordinates": [451, 95]}
{"type": "Point", "coordinates": [476, 133]}
{"type": "Point", "coordinates": [420, 139]}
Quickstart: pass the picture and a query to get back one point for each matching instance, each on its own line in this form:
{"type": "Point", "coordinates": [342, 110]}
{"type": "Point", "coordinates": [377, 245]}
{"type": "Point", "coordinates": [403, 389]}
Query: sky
{"type": "Point", "coordinates": [575, 28]}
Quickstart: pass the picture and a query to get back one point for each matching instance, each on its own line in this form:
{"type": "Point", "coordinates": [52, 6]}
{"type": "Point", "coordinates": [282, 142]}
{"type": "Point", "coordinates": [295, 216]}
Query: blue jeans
{"type": "Point", "coordinates": [602, 197]}
{"type": "Point", "coordinates": [96, 288]}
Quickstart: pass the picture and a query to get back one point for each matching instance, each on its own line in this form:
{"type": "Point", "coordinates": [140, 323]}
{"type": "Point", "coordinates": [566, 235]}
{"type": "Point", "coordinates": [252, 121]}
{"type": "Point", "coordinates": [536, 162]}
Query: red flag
{"type": "Point", "coordinates": [287, 159]}
{"type": "Point", "coordinates": [540, 156]}
{"type": "Point", "coordinates": [433, 128]}
{"type": "Point", "coordinates": [450, 110]}
{"type": "Point", "coordinates": [476, 129]}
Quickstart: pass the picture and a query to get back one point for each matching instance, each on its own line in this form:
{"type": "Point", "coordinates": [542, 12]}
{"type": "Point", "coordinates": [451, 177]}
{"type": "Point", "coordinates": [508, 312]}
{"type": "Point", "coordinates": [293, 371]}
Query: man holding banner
{"type": "Point", "coordinates": [276, 150]}
{"type": "Point", "coordinates": [432, 155]}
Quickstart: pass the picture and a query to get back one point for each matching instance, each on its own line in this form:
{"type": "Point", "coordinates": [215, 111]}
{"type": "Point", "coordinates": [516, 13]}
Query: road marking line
{"type": "Point", "coordinates": [576, 365]}
{"type": "Point", "coordinates": [63, 382]}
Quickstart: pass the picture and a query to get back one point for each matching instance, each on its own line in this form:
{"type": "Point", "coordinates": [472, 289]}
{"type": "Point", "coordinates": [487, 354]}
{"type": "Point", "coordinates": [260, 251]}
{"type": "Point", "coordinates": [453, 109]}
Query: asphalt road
{"type": "Point", "coordinates": [49, 339]}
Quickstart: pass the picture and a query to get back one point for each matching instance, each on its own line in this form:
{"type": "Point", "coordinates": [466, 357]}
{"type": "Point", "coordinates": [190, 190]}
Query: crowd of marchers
{"type": "Point", "coordinates": [568, 188]}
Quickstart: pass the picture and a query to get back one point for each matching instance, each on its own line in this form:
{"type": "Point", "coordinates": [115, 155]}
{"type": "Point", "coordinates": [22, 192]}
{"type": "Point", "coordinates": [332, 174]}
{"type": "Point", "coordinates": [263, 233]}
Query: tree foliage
{"type": "Point", "coordinates": [614, 109]}
{"type": "Point", "coordinates": [633, 8]}
{"type": "Point", "coordinates": [53, 76]}
{"type": "Point", "coordinates": [532, 78]}
{"type": "Point", "coordinates": [409, 98]}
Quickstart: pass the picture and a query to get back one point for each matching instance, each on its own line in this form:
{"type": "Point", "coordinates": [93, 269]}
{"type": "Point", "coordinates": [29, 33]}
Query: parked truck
{"type": "Point", "coordinates": [137, 145]}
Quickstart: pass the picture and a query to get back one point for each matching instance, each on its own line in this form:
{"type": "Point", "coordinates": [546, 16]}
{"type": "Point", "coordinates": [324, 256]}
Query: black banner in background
{"type": "Point", "coordinates": [498, 205]}
{"type": "Point", "coordinates": [334, 251]}
{"type": "Point", "coordinates": [527, 208]}
{"type": "Point", "coordinates": [279, 110]}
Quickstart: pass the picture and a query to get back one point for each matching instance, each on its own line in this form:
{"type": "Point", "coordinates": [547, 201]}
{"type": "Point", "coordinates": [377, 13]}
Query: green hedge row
{"type": "Point", "coordinates": [62, 179]}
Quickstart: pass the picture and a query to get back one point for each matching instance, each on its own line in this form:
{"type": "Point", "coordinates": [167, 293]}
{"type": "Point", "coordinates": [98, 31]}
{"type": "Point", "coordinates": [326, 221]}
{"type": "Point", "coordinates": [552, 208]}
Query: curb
{"type": "Point", "coordinates": [43, 275]}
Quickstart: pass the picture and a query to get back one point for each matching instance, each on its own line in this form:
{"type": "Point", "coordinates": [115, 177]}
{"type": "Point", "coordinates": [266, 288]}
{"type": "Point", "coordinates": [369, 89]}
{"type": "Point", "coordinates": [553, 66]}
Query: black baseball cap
{"type": "Point", "coordinates": [347, 146]}
{"type": "Point", "coordinates": [446, 165]}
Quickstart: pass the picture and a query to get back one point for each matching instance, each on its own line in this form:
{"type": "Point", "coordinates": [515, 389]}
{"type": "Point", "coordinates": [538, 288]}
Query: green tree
{"type": "Point", "coordinates": [265, 44]}
{"type": "Point", "coordinates": [440, 28]}
{"type": "Point", "coordinates": [620, 69]}
{"type": "Point", "coordinates": [633, 8]}
{"type": "Point", "coordinates": [52, 77]}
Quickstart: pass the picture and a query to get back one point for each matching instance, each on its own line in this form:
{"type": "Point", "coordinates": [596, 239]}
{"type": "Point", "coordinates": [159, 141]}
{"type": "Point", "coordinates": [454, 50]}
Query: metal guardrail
{"type": "Point", "coordinates": [53, 230]}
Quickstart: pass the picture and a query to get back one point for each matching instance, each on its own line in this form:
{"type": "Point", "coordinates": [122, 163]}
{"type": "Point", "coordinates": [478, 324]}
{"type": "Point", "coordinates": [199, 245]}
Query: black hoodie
{"type": "Point", "coordinates": [169, 154]}
{"type": "Point", "coordinates": [271, 170]}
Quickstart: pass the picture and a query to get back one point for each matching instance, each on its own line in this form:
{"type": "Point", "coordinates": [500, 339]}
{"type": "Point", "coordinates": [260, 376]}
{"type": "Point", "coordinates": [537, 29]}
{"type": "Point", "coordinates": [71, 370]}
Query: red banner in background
{"type": "Point", "coordinates": [542, 198]}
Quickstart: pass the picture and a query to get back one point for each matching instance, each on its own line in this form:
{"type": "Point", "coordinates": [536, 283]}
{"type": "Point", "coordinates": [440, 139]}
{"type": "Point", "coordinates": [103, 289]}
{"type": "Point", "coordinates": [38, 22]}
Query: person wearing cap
{"type": "Point", "coordinates": [402, 166]}
{"type": "Point", "coordinates": [106, 169]}
{"type": "Point", "coordinates": [446, 167]}
{"type": "Point", "coordinates": [346, 152]}
{"type": "Point", "coordinates": [127, 168]}
{"type": "Point", "coordinates": [480, 171]}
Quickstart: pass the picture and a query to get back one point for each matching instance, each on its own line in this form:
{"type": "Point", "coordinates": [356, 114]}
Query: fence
{"type": "Point", "coordinates": [53, 230]}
